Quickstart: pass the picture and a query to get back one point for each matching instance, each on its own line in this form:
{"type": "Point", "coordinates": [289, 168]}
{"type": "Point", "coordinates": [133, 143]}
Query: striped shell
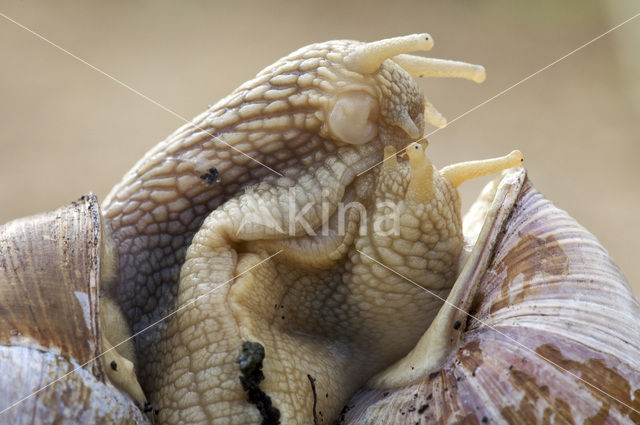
{"type": "Point", "coordinates": [49, 322]}
{"type": "Point", "coordinates": [552, 336]}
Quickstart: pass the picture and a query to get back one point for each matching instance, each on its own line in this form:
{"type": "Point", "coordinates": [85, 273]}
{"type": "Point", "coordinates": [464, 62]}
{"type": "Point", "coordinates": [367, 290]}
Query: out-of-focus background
{"type": "Point", "coordinates": [66, 130]}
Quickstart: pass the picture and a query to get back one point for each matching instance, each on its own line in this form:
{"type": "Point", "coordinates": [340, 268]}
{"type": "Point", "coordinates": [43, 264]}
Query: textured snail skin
{"type": "Point", "coordinates": [553, 336]}
{"type": "Point", "coordinates": [319, 116]}
{"type": "Point", "coordinates": [338, 322]}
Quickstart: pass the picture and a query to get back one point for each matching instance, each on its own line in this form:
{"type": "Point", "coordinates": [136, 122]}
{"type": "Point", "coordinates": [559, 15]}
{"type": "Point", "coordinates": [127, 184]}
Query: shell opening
{"type": "Point", "coordinates": [368, 57]}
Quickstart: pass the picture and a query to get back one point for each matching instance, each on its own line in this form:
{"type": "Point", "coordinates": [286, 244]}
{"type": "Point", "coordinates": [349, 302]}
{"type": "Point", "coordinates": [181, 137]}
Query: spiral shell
{"type": "Point", "coordinates": [551, 335]}
{"type": "Point", "coordinates": [49, 322]}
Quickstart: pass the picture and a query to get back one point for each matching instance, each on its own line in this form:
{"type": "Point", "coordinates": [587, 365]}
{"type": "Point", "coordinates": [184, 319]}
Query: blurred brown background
{"type": "Point", "coordinates": [66, 130]}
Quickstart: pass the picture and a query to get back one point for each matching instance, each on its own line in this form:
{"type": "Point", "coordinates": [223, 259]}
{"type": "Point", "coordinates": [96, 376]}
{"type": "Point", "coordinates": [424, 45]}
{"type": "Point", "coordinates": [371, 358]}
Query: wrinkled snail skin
{"type": "Point", "coordinates": [50, 276]}
{"type": "Point", "coordinates": [319, 117]}
{"type": "Point", "coordinates": [565, 329]}
{"type": "Point", "coordinates": [338, 323]}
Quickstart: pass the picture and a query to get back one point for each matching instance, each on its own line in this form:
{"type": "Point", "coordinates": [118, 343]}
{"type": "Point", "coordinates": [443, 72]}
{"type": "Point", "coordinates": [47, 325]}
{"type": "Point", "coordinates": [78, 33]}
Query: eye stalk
{"type": "Point", "coordinates": [463, 171]}
{"type": "Point", "coordinates": [368, 57]}
{"type": "Point", "coordinates": [421, 67]}
{"type": "Point", "coordinates": [421, 186]}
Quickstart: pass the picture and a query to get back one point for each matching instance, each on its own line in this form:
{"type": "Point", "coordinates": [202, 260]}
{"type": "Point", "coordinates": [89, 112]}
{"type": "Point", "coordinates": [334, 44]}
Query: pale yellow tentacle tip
{"type": "Point", "coordinates": [479, 74]}
{"type": "Point", "coordinates": [415, 151]}
{"type": "Point", "coordinates": [516, 157]}
{"type": "Point", "coordinates": [433, 116]}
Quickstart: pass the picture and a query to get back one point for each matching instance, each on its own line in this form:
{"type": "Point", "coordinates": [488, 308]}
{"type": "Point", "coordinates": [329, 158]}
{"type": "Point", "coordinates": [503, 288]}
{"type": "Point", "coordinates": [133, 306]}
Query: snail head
{"type": "Point", "coordinates": [360, 91]}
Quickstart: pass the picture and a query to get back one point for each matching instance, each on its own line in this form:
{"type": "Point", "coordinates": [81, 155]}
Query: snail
{"type": "Point", "coordinates": [304, 128]}
{"type": "Point", "coordinates": [540, 327]}
{"type": "Point", "coordinates": [253, 294]}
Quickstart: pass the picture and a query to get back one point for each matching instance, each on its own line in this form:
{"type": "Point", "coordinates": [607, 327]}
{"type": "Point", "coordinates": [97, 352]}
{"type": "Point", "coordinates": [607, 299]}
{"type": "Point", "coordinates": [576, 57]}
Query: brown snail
{"type": "Point", "coordinates": [274, 308]}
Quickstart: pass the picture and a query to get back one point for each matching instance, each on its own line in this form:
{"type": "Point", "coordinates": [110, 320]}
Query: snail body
{"type": "Point", "coordinates": [338, 322]}
{"type": "Point", "coordinates": [256, 296]}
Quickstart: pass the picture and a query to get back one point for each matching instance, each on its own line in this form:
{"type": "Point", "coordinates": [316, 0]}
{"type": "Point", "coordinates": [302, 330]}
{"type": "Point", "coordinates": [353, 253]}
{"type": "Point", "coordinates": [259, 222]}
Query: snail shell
{"type": "Point", "coordinates": [551, 335]}
{"type": "Point", "coordinates": [50, 334]}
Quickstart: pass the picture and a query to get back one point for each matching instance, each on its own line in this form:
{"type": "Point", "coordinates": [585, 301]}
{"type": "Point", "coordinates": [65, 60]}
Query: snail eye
{"type": "Point", "coordinates": [354, 118]}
